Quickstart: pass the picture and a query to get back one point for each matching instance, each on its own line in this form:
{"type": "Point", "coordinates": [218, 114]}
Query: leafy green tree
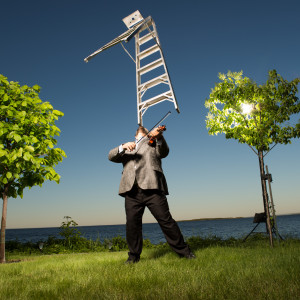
{"type": "Point", "coordinates": [257, 115]}
{"type": "Point", "coordinates": [69, 232]}
{"type": "Point", "coordinates": [27, 152]}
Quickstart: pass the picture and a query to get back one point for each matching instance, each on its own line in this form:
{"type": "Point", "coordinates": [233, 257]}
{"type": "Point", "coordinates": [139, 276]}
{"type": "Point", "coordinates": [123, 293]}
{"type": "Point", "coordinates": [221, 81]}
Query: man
{"type": "Point", "coordinates": [143, 184]}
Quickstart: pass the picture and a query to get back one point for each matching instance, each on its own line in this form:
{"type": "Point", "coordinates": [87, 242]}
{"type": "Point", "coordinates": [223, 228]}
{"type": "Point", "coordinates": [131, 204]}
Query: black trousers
{"type": "Point", "coordinates": [135, 202]}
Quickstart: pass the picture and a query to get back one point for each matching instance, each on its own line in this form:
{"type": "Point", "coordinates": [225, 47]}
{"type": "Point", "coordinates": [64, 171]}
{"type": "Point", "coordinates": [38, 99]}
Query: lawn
{"type": "Point", "coordinates": [218, 272]}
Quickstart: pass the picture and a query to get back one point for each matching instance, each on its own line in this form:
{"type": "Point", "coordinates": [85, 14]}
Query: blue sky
{"type": "Point", "coordinates": [45, 42]}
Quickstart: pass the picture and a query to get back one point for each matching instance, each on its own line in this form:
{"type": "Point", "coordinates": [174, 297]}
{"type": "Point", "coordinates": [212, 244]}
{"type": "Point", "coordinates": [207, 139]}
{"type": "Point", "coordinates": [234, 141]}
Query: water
{"type": "Point", "coordinates": [288, 225]}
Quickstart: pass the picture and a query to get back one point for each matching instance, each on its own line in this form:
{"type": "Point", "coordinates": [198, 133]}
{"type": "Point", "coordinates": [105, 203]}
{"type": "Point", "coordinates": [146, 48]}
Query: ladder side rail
{"type": "Point", "coordinates": [115, 41]}
{"type": "Point", "coordinates": [165, 66]}
{"type": "Point", "coordinates": [138, 78]}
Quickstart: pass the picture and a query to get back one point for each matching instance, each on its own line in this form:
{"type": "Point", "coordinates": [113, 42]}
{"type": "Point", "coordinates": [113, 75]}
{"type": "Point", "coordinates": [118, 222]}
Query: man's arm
{"type": "Point", "coordinates": [162, 148]}
{"type": "Point", "coordinates": [116, 154]}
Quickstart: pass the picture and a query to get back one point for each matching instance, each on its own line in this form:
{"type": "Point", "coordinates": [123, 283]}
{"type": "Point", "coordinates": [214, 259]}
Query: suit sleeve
{"type": "Point", "coordinates": [115, 156]}
{"type": "Point", "coordinates": [162, 148]}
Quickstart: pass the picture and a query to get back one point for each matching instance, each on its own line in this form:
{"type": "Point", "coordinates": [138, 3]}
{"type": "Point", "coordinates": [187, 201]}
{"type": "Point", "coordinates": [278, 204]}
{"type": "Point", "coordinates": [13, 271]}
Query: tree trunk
{"type": "Point", "coordinates": [3, 227]}
{"type": "Point", "coordinates": [265, 195]}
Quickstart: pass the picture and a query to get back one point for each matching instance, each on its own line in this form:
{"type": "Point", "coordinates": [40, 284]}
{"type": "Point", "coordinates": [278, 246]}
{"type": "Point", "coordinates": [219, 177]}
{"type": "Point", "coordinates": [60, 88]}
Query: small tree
{"type": "Point", "coordinates": [257, 115]}
{"type": "Point", "coordinates": [27, 153]}
{"type": "Point", "coordinates": [69, 232]}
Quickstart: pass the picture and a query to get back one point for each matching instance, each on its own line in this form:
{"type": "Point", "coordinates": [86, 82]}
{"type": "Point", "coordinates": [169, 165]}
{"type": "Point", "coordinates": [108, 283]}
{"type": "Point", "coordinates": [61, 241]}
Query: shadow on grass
{"type": "Point", "coordinates": [12, 261]}
{"type": "Point", "coordinates": [157, 253]}
{"type": "Point", "coordinates": [195, 243]}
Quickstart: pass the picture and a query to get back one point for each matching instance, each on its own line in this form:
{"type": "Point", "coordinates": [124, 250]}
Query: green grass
{"type": "Point", "coordinates": [250, 271]}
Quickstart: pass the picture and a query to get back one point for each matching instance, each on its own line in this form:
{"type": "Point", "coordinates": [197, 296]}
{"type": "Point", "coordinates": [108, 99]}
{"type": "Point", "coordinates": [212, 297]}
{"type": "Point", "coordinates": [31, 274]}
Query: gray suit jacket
{"type": "Point", "coordinates": [142, 165]}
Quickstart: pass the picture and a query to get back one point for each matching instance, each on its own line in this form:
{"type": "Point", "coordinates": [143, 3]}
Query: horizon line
{"type": "Point", "coordinates": [189, 220]}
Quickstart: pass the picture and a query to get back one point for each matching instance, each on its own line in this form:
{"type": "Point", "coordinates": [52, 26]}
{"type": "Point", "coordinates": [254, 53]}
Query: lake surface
{"type": "Point", "coordinates": [288, 225]}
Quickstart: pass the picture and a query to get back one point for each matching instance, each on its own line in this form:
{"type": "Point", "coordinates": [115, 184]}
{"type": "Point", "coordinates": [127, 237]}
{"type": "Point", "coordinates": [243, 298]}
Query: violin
{"type": "Point", "coordinates": [154, 134]}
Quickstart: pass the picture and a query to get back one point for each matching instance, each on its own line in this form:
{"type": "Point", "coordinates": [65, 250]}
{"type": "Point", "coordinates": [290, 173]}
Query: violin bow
{"type": "Point", "coordinates": [167, 114]}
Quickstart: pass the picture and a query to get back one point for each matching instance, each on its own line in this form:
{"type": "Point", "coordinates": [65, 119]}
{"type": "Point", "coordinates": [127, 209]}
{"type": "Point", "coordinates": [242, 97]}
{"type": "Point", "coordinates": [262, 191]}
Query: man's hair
{"type": "Point", "coordinates": [141, 129]}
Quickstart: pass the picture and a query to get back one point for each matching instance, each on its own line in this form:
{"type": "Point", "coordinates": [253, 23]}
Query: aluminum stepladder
{"type": "Point", "coordinates": [147, 48]}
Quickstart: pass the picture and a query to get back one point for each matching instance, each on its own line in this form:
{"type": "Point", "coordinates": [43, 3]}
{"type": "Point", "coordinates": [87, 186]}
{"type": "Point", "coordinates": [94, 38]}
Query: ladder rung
{"type": "Point", "coordinates": [155, 100]}
{"type": "Point", "coordinates": [153, 65]}
{"type": "Point", "coordinates": [147, 37]}
{"type": "Point", "coordinates": [148, 51]}
{"type": "Point", "coordinates": [153, 82]}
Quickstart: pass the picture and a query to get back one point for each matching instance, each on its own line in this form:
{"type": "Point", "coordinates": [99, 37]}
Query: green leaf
{"type": "Point", "coordinates": [57, 112]}
{"type": "Point", "coordinates": [2, 152]}
{"type": "Point", "coordinates": [14, 157]}
{"type": "Point", "coordinates": [20, 152]}
{"type": "Point", "coordinates": [53, 173]}
{"type": "Point", "coordinates": [10, 113]}
{"type": "Point", "coordinates": [8, 175]}
{"type": "Point", "coordinates": [27, 156]}
{"type": "Point", "coordinates": [4, 180]}
{"type": "Point", "coordinates": [5, 98]}
{"type": "Point", "coordinates": [29, 148]}
{"type": "Point", "coordinates": [22, 114]}
{"type": "Point", "coordinates": [17, 138]}
{"type": "Point", "coordinates": [34, 139]}
{"type": "Point", "coordinates": [36, 88]}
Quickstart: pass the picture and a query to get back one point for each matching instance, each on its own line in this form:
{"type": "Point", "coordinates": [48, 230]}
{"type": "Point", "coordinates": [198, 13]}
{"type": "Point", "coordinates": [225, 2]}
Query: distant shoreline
{"type": "Point", "coordinates": [212, 219]}
{"type": "Point", "coordinates": [230, 218]}
{"type": "Point", "coordinates": [191, 220]}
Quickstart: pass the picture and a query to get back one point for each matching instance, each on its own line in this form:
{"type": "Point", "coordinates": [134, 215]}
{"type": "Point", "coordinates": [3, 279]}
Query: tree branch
{"type": "Point", "coordinates": [270, 150]}
{"type": "Point", "coordinates": [253, 150]}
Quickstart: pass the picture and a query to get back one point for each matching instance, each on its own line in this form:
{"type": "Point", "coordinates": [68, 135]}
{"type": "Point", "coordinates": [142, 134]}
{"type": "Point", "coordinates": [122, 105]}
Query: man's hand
{"type": "Point", "coordinates": [157, 132]}
{"type": "Point", "coordinates": [129, 146]}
